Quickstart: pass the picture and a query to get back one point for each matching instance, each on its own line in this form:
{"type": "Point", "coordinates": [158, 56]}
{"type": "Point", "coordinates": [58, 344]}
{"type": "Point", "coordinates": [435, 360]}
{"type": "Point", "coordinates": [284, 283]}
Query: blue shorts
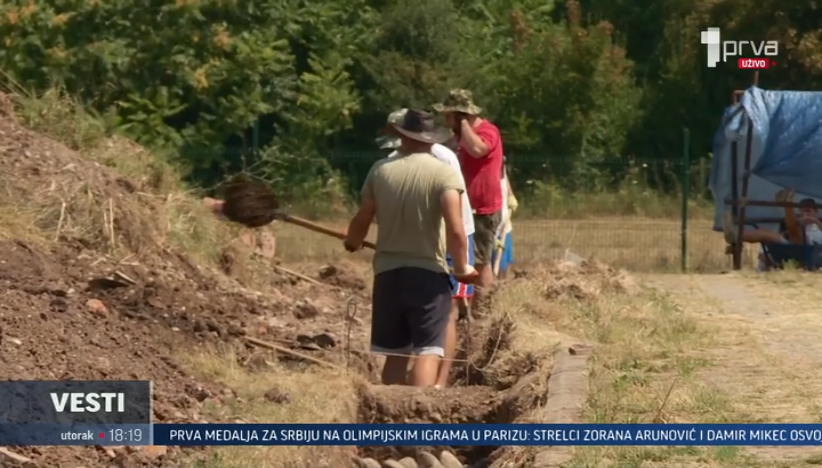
{"type": "Point", "coordinates": [507, 254]}
{"type": "Point", "coordinates": [462, 290]}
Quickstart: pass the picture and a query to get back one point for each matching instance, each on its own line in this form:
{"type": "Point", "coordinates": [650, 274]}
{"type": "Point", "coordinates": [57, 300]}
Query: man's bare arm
{"type": "Point", "coordinates": [455, 237]}
{"type": "Point", "coordinates": [472, 142]}
{"type": "Point", "coordinates": [360, 224]}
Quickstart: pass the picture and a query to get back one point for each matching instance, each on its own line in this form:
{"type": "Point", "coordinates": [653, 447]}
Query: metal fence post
{"type": "Point", "coordinates": [686, 193]}
{"type": "Point", "coordinates": [255, 137]}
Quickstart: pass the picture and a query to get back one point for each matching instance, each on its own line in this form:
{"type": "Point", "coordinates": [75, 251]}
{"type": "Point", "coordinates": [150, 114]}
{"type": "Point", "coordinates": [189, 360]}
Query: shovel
{"type": "Point", "coordinates": [253, 204]}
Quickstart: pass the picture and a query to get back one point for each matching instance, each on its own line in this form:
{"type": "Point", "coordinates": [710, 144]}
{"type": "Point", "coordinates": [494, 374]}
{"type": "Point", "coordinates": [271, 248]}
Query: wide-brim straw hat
{"type": "Point", "coordinates": [414, 124]}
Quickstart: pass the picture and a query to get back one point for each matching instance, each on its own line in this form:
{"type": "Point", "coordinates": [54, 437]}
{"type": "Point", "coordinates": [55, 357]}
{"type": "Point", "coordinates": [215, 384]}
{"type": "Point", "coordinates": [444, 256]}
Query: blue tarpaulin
{"type": "Point", "coordinates": [786, 149]}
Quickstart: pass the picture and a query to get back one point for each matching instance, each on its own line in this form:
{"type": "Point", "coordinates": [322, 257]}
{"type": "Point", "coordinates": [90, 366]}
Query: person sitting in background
{"type": "Point", "coordinates": [808, 220]}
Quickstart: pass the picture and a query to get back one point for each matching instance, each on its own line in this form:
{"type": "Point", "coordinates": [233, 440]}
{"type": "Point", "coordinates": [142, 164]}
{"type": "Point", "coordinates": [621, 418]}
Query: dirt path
{"type": "Point", "coordinates": [767, 353]}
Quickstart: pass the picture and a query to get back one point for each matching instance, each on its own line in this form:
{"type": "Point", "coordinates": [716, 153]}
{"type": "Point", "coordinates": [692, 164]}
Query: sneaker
{"type": "Point", "coordinates": [729, 228]}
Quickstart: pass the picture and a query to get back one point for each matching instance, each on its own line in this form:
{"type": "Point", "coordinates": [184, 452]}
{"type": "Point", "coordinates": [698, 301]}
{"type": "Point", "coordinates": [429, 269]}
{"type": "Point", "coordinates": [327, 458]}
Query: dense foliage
{"type": "Point", "coordinates": [578, 88]}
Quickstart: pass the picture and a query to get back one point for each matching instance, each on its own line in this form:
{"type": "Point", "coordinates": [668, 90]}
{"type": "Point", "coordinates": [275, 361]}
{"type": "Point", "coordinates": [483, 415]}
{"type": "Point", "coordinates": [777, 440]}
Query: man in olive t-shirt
{"type": "Point", "coordinates": [415, 199]}
{"type": "Point", "coordinates": [409, 217]}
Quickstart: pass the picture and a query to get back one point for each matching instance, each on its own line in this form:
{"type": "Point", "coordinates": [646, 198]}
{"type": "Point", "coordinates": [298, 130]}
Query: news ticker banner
{"type": "Point", "coordinates": [417, 434]}
{"type": "Point", "coordinates": [120, 413]}
{"type": "Point", "coordinates": [67, 403]}
{"type": "Point", "coordinates": [488, 434]}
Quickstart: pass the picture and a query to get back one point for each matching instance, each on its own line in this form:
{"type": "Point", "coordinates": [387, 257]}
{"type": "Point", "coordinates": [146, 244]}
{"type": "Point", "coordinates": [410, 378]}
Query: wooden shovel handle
{"type": "Point", "coordinates": [304, 223]}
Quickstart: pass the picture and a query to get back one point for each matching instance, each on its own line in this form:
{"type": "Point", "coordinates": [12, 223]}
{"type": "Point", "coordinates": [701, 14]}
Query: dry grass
{"type": "Point", "coordinates": [314, 396]}
{"type": "Point", "coordinates": [682, 356]}
{"type": "Point", "coordinates": [81, 200]}
{"type": "Point", "coordinates": [637, 244]}
{"type": "Point", "coordinates": [779, 311]}
{"type": "Point", "coordinates": [645, 364]}
{"type": "Point", "coordinates": [747, 360]}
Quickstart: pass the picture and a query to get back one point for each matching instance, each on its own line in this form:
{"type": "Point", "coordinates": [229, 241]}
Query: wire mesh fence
{"type": "Point", "coordinates": [643, 215]}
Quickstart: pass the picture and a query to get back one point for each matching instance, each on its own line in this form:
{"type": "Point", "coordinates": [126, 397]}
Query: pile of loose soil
{"type": "Point", "coordinates": [585, 281]}
{"type": "Point", "coordinates": [80, 309]}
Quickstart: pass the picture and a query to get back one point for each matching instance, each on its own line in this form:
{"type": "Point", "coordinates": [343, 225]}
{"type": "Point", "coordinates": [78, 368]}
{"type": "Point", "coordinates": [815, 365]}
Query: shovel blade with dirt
{"type": "Point", "coordinates": [254, 204]}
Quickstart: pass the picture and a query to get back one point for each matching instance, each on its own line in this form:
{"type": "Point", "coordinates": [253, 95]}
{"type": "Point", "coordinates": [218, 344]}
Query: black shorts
{"type": "Point", "coordinates": [410, 311]}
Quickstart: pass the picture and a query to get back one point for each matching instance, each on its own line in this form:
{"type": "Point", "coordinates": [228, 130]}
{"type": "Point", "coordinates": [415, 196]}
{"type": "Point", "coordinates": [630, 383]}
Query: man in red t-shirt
{"type": "Point", "coordinates": [480, 155]}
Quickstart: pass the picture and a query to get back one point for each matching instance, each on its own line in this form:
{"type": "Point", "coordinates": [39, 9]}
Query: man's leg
{"type": "Point", "coordinates": [395, 370]}
{"type": "Point", "coordinates": [763, 236]}
{"type": "Point", "coordinates": [390, 333]}
{"type": "Point", "coordinates": [484, 239]}
{"type": "Point", "coordinates": [450, 346]}
{"type": "Point", "coordinates": [750, 234]}
{"type": "Point", "coordinates": [428, 310]}
{"type": "Point", "coordinates": [460, 294]}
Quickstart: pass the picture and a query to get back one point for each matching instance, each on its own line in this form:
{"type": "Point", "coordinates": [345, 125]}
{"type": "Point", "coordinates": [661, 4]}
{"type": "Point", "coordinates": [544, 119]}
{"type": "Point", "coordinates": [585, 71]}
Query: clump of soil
{"type": "Point", "coordinates": [339, 275]}
{"type": "Point", "coordinates": [585, 281]}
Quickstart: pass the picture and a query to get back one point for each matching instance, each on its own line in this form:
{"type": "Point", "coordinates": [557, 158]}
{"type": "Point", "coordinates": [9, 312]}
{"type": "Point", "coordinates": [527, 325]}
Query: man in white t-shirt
{"type": "Point", "coordinates": [460, 292]}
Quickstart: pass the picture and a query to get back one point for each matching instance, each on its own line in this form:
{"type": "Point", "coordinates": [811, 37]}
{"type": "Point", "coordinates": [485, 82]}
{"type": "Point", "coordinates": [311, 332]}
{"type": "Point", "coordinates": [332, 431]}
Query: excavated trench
{"type": "Point", "coordinates": [499, 386]}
